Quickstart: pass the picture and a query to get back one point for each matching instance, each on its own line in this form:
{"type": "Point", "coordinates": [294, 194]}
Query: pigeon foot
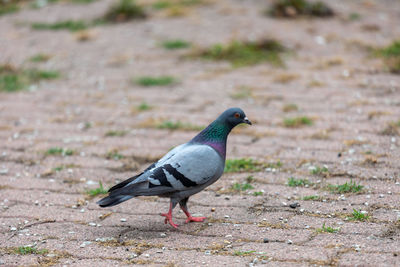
{"type": "Point", "coordinates": [168, 219]}
{"type": "Point", "coordinates": [195, 219]}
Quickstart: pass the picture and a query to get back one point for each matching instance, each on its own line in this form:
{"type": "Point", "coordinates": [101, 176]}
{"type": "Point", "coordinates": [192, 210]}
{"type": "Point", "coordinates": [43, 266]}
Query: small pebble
{"type": "Point", "coordinates": [227, 216]}
{"type": "Point", "coordinates": [294, 205]}
{"type": "Point", "coordinates": [163, 234]}
{"type": "Point", "coordinates": [266, 240]}
{"type": "Point", "coordinates": [212, 209]}
{"type": "Point", "coordinates": [290, 242]}
{"type": "Point", "coordinates": [92, 224]}
{"type": "Point", "coordinates": [84, 244]}
{"type": "Point", "coordinates": [123, 220]}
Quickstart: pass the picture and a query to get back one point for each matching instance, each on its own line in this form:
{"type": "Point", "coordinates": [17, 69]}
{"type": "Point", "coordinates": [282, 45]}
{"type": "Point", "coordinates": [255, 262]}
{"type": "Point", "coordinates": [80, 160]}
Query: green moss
{"type": "Point", "coordinates": [350, 187]}
{"type": "Point", "coordinates": [242, 165]}
{"type": "Point", "coordinates": [242, 54]}
{"type": "Point", "coordinates": [294, 8]}
{"type": "Point", "coordinates": [175, 44]}
{"type": "Point", "coordinates": [148, 81]}
{"type": "Point", "coordinates": [97, 191]}
{"type": "Point", "coordinates": [71, 25]}
{"type": "Point", "coordinates": [124, 10]}
{"type": "Point", "coordinates": [297, 122]}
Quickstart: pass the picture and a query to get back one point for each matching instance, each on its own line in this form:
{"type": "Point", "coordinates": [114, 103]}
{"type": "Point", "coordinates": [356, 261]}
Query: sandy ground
{"type": "Point", "coordinates": [330, 76]}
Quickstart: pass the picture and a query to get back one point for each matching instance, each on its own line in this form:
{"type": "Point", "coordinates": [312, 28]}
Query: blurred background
{"type": "Point", "coordinates": [92, 91]}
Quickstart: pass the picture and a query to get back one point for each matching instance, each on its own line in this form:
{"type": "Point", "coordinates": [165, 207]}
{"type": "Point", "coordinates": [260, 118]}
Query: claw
{"type": "Point", "coordinates": [168, 219]}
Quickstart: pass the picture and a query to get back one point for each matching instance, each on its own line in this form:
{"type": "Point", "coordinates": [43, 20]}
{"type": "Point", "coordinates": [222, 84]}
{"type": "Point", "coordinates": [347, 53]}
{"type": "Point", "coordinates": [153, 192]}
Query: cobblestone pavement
{"type": "Point", "coordinates": [62, 137]}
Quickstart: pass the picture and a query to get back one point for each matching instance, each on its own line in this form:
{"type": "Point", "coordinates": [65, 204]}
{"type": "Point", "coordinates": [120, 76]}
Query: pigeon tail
{"type": "Point", "coordinates": [113, 200]}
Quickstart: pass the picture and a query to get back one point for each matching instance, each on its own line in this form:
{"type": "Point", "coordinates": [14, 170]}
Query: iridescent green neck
{"type": "Point", "coordinates": [215, 135]}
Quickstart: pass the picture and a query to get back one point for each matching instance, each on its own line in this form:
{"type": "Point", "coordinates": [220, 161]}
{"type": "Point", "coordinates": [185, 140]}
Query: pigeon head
{"type": "Point", "coordinates": [217, 132]}
{"type": "Point", "coordinates": [233, 117]}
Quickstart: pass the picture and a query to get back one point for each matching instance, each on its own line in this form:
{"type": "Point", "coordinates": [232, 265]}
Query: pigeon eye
{"type": "Point", "coordinates": [237, 115]}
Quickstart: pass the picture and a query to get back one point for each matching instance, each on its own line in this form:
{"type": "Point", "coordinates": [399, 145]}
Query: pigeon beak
{"type": "Point", "coordinates": [246, 120]}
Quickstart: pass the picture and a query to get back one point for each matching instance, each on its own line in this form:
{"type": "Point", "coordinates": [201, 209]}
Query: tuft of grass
{"type": "Point", "coordinates": [297, 122]}
{"type": "Point", "coordinates": [327, 229]}
{"type": "Point", "coordinates": [144, 106]}
{"type": "Point", "coordinates": [58, 151]}
{"type": "Point", "coordinates": [7, 7]}
{"type": "Point", "coordinates": [295, 8]}
{"type": "Point", "coordinates": [350, 187]}
{"type": "Point", "coordinates": [290, 107]}
{"type": "Point", "coordinates": [241, 93]}
{"type": "Point", "coordinates": [148, 81]}
{"type": "Point", "coordinates": [392, 128]}
{"type": "Point", "coordinates": [13, 79]}
{"type": "Point", "coordinates": [358, 216]}
{"type": "Point", "coordinates": [179, 126]}
{"type": "Point", "coordinates": [115, 133]}
{"type": "Point", "coordinates": [175, 7]}
{"type": "Point", "coordinates": [114, 154]}
{"type": "Point", "coordinates": [39, 58]}
{"type": "Point", "coordinates": [125, 10]}
{"type": "Point", "coordinates": [244, 253]}
{"type": "Point", "coordinates": [97, 191]}
{"type": "Point", "coordinates": [175, 44]}
{"type": "Point", "coordinates": [316, 170]}
{"type": "Point", "coordinates": [241, 187]}
{"type": "Point", "coordinates": [354, 16]}
{"type": "Point", "coordinates": [37, 75]}
{"type": "Point", "coordinates": [293, 182]}
{"type": "Point", "coordinates": [241, 54]}
{"type": "Point", "coordinates": [258, 193]}
{"type": "Point", "coordinates": [71, 25]}
{"type": "Point", "coordinates": [30, 250]}
{"type": "Point", "coordinates": [62, 167]}
{"type": "Point", "coordinates": [391, 56]}
{"type": "Point", "coordinates": [242, 165]}
{"type": "Point", "coordinates": [312, 197]}
{"type": "Point", "coordinates": [274, 165]}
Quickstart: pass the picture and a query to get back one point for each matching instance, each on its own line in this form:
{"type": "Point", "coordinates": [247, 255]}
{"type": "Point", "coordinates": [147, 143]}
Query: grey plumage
{"type": "Point", "coordinates": [184, 171]}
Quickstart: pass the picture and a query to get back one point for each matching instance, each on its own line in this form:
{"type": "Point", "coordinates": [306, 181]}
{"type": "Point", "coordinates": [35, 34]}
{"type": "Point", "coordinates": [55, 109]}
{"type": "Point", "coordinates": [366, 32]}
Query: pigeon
{"type": "Point", "coordinates": [184, 171]}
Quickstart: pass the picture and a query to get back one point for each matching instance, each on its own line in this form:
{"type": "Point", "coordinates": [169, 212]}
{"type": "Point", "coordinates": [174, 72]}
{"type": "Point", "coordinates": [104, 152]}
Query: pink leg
{"type": "Point", "coordinates": [168, 216]}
